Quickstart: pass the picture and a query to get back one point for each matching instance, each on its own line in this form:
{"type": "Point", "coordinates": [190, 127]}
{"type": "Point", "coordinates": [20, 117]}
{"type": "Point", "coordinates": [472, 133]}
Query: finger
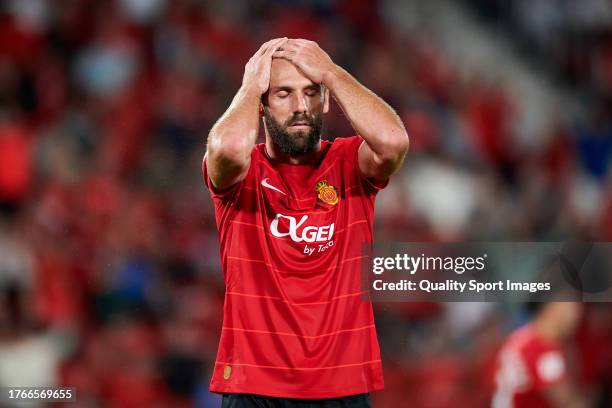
{"type": "Point", "coordinates": [292, 58]}
{"type": "Point", "coordinates": [273, 41]}
{"type": "Point", "coordinates": [283, 54]}
{"type": "Point", "coordinates": [266, 46]}
{"type": "Point", "coordinates": [287, 52]}
{"type": "Point", "coordinates": [289, 45]}
{"type": "Point", "coordinates": [299, 42]}
{"type": "Point", "coordinates": [304, 46]}
{"type": "Point", "coordinates": [277, 41]}
{"type": "Point", "coordinates": [262, 49]}
{"type": "Point", "coordinates": [267, 56]}
{"type": "Point", "coordinates": [267, 52]}
{"type": "Point", "coordinates": [275, 46]}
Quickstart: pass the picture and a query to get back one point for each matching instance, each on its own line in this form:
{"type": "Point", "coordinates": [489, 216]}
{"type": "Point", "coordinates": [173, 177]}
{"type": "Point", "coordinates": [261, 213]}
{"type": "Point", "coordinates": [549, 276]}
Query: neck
{"type": "Point", "coordinates": [274, 152]}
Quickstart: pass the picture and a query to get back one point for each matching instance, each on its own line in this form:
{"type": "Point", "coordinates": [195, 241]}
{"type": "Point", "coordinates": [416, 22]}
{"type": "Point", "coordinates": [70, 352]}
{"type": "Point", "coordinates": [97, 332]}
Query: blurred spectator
{"type": "Point", "coordinates": [16, 158]}
{"type": "Point", "coordinates": [533, 368]}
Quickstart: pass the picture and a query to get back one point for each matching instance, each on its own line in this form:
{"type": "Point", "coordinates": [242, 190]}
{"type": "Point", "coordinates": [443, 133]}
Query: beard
{"type": "Point", "coordinates": [294, 143]}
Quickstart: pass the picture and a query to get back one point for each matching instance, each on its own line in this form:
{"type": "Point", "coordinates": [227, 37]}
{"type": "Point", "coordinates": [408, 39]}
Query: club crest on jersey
{"type": "Point", "coordinates": [327, 193]}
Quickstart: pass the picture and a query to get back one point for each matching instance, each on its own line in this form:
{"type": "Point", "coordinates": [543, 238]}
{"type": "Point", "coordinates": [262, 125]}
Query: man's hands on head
{"type": "Point", "coordinates": [386, 140]}
{"type": "Point", "coordinates": [308, 57]}
{"type": "Point", "coordinates": [257, 69]}
{"type": "Point", "coordinates": [232, 138]}
{"type": "Point", "coordinates": [230, 141]}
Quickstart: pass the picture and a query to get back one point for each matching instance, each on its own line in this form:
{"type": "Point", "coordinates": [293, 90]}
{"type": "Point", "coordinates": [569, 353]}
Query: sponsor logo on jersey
{"type": "Point", "coordinates": [298, 232]}
{"type": "Point", "coordinates": [327, 193]}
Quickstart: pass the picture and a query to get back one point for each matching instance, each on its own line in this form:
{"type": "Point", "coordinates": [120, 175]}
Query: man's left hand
{"type": "Point", "coordinates": [308, 57]}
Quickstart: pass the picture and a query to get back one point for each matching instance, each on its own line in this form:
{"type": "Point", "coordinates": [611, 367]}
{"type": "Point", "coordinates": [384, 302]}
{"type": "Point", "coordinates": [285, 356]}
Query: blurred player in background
{"type": "Point", "coordinates": [292, 216]}
{"type": "Point", "coordinates": [532, 367]}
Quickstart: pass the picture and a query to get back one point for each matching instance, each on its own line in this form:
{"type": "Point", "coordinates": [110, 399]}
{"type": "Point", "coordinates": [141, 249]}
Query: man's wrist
{"type": "Point", "coordinates": [251, 92]}
{"type": "Point", "coordinates": [333, 76]}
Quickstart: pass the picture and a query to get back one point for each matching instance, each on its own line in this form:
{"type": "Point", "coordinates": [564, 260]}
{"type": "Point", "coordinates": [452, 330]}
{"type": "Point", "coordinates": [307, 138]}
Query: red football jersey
{"type": "Point", "coordinates": [295, 324]}
{"type": "Point", "coordinates": [527, 365]}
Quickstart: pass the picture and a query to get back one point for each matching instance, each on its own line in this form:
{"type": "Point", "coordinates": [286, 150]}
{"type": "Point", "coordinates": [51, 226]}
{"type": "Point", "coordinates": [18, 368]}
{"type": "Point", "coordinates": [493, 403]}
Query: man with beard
{"type": "Point", "coordinates": [293, 214]}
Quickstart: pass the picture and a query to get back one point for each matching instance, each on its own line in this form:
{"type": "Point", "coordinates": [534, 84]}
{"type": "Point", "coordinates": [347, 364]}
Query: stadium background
{"type": "Point", "coordinates": [109, 267]}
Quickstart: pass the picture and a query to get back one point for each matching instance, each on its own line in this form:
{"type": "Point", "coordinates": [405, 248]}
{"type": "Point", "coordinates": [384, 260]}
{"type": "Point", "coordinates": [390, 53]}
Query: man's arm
{"type": "Point", "coordinates": [384, 133]}
{"type": "Point", "coordinates": [230, 141]}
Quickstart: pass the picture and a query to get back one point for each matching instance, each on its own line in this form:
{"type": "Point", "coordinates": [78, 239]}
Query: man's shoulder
{"type": "Point", "coordinates": [347, 141]}
{"type": "Point", "coordinates": [345, 146]}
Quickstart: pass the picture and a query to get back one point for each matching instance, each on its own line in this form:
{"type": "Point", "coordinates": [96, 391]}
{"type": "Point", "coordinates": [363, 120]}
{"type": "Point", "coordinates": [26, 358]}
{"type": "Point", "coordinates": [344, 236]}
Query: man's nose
{"type": "Point", "coordinates": [299, 103]}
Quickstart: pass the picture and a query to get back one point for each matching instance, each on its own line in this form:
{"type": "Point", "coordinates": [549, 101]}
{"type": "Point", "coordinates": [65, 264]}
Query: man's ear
{"type": "Point", "coordinates": [325, 99]}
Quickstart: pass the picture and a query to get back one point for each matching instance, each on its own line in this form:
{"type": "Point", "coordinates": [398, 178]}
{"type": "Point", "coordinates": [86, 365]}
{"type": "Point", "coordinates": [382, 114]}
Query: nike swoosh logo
{"type": "Point", "coordinates": [265, 183]}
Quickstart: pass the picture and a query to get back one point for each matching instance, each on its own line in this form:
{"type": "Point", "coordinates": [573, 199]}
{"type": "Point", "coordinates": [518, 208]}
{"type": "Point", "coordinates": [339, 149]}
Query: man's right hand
{"type": "Point", "coordinates": [231, 140]}
{"type": "Point", "coordinates": [257, 69]}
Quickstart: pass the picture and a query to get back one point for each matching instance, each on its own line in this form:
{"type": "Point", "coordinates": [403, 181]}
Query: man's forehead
{"type": "Point", "coordinates": [284, 73]}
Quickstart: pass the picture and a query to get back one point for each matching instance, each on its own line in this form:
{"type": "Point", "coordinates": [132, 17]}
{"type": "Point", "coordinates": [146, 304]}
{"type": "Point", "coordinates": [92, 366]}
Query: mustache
{"type": "Point", "coordinates": [300, 118]}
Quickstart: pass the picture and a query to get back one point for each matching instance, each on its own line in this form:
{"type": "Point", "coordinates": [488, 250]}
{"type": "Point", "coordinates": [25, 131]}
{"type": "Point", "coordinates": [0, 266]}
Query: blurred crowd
{"type": "Point", "coordinates": [572, 39]}
{"type": "Point", "coordinates": [109, 266]}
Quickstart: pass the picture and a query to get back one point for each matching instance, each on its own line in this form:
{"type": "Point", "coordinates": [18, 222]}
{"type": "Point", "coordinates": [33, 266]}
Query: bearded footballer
{"type": "Point", "coordinates": [293, 214]}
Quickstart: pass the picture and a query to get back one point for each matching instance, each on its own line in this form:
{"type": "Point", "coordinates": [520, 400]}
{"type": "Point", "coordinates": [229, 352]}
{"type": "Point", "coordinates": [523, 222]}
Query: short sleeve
{"type": "Point", "coordinates": [216, 193]}
{"type": "Point", "coordinates": [370, 184]}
